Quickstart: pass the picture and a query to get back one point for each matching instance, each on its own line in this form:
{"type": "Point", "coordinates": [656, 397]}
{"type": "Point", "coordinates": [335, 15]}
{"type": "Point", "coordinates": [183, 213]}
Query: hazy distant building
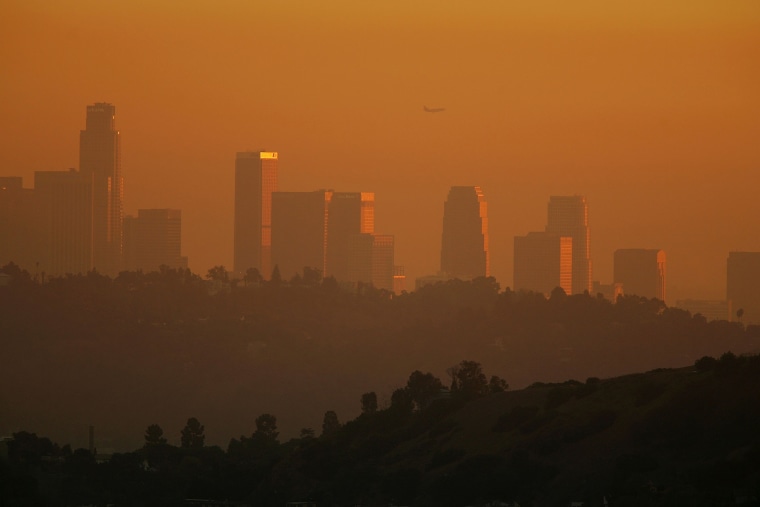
{"type": "Point", "coordinates": [609, 291]}
{"type": "Point", "coordinates": [464, 242]}
{"type": "Point", "coordinates": [100, 158]}
{"type": "Point", "coordinates": [153, 239]}
{"type": "Point", "coordinates": [383, 269]}
{"type": "Point", "coordinates": [299, 231]}
{"type": "Point", "coordinates": [255, 181]}
{"type": "Point", "coordinates": [399, 279]}
{"type": "Point", "coordinates": [709, 309]}
{"type": "Point", "coordinates": [743, 286]}
{"type": "Point", "coordinates": [19, 224]}
{"type": "Point", "coordinates": [543, 262]}
{"type": "Point", "coordinates": [350, 226]}
{"type": "Point", "coordinates": [65, 206]}
{"type": "Point", "coordinates": [568, 216]}
{"type": "Point", "coordinates": [641, 272]}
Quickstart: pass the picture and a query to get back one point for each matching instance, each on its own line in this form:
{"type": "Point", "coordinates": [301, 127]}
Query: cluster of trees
{"type": "Point", "coordinates": [256, 468]}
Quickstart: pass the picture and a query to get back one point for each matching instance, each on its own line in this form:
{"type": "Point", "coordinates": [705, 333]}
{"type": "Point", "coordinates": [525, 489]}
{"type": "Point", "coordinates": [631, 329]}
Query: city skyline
{"type": "Point", "coordinates": [655, 120]}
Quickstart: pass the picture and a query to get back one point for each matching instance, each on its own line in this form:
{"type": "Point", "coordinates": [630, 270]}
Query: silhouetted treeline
{"type": "Point", "coordinates": [667, 437]}
{"type": "Point", "coordinates": [88, 349]}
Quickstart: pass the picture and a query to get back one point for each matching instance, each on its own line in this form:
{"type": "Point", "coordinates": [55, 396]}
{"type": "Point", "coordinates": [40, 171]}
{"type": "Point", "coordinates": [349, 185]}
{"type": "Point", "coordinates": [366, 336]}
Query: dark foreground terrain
{"type": "Point", "coordinates": [685, 436]}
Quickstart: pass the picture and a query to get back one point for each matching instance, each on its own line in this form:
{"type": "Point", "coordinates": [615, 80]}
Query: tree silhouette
{"type": "Point", "coordinates": [192, 434]}
{"type": "Point", "coordinates": [423, 388]}
{"type": "Point", "coordinates": [468, 379]}
{"type": "Point", "coordinates": [218, 273]}
{"type": "Point", "coordinates": [154, 435]}
{"type": "Point", "coordinates": [369, 403]}
{"type": "Point", "coordinates": [330, 423]}
{"type": "Point", "coordinates": [252, 277]}
{"type": "Point", "coordinates": [266, 426]}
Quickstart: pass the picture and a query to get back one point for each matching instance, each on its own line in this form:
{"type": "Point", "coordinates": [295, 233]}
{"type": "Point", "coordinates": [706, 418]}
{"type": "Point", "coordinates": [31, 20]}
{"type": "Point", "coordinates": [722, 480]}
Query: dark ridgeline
{"type": "Point", "coordinates": [640, 272]}
{"type": "Point", "coordinates": [568, 216]}
{"type": "Point", "coordinates": [100, 159]}
{"type": "Point", "coordinates": [464, 242]}
{"type": "Point", "coordinates": [255, 180]}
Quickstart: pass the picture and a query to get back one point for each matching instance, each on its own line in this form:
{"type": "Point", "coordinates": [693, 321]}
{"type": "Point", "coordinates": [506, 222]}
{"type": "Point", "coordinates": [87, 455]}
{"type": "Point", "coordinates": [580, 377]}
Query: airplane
{"type": "Point", "coordinates": [433, 109]}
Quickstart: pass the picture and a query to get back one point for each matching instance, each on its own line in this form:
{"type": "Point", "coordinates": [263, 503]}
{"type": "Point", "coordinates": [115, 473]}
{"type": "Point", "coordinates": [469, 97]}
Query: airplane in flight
{"type": "Point", "coordinates": [433, 109]}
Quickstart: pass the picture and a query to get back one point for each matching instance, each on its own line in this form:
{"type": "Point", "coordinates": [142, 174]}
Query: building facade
{"type": "Point", "coordinates": [299, 231]}
{"type": "Point", "coordinates": [255, 181]}
{"type": "Point", "coordinates": [543, 262]}
{"type": "Point", "coordinates": [350, 226]}
{"type": "Point", "coordinates": [641, 272]}
{"type": "Point", "coordinates": [153, 239]}
{"type": "Point", "coordinates": [19, 225]}
{"type": "Point", "coordinates": [100, 159]}
{"type": "Point", "coordinates": [464, 242]}
{"type": "Point", "coordinates": [65, 206]}
{"type": "Point", "coordinates": [568, 216]}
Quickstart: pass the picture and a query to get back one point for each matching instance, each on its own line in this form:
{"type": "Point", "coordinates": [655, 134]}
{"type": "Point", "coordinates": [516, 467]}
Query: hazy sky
{"type": "Point", "coordinates": [652, 111]}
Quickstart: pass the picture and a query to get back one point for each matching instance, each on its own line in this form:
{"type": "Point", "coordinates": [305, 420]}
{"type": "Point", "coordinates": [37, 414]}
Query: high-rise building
{"type": "Point", "coordinates": [100, 158]}
{"type": "Point", "coordinates": [542, 262]}
{"type": "Point", "coordinates": [19, 225]}
{"type": "Point", "coordinates": [299, 231]}
{"type": "Point", "coordinates": [399, 279]}
{"type": "Point", "coordinates": [153, 239]}
{"type": "Point", "coordinates": [743, 286]}
{"type": "Point", "coordinates": [383, 246]}
{"type": "Point", "coordinates": [350, 225]}
{"type": "Point", "coordinates": [568, 216]}
{"type": "Point", "coordinates": [65, 203]}
{"type": "Point", "coordinates": [641, 272]}
{"type": "Point", "coordinates": [464, 243]}
{"type": "Point", "coordinates": [255, 180]}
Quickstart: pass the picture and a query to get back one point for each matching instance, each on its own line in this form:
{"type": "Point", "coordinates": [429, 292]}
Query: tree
{"type": "Point", "coordinates": [218, 273]}
{"type": "Point", "coordinates": [423, 388]}
{"type": "Point", "coordinates": [252, 277]}
{"type": "Point", "coordinates": [192, 434]}
{"type": "Point", "coordinates": [330, 423]}
{"type": "Point", "coordinates": [307, 433]}
{"type": "Point", "coordinates": [154, 435]}
{"type": "Point", "coordinates": [266, 426]}
{"type": "Point", "coordinates": [312, 276]}
{"type": "Point", "coordinates": [276, 278]}
{"type": "Point", "coordinates": [369, 403]}
{"type": "Point", "coordinates": [468, 379]}
{"type": "Point", "coordinates": [497, 384]}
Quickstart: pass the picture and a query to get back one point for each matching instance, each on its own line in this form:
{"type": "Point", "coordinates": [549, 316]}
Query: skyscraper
{"type": "Point", "coordinates": [299, 231]}
{"type": "Point", "coordinates": [568, 216]}
{"type": "Point", "coordinates": [543, 261]}
{"type": "Point", "coordinates": [153, 239]}
{"type": "Point", "coordinates": [383, 251]}
{"type": "Point", "coordinates": [100, 157]}
{"type": "Point", "coordinates": [19, 227]}
{"type": "Point", "coordinates": [255, 180]}
{"type": "Point", "coordinates": [350, 224]}
{"type": "Point", "coordinates": [65, 200]}
{"type": "Point", "coordinates": [464, 244]}
{"type": "Point", "coordinates": [641, 272]}
{"type": "Point", "coordinates": [743, 286]}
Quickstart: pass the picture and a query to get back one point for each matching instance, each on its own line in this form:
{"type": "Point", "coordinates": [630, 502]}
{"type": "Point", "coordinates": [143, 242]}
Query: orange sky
{"type": "Point", "coordinates": [651, 111]}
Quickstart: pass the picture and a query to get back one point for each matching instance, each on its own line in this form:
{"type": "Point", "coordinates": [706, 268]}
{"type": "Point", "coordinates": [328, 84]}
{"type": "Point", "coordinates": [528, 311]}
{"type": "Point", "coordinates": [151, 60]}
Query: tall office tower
{"type": "Point", "coordinates": [350, 224]}
{"type": "Point", "coordinates": [383, 246]}
{"type": "Point", "coordinates": [568, 216]}
{"type": "Point", "coordinates": [743, 286]}
{"type": "Point", "coordinates": [65, 200]}
{"type": "Point", "coordinates": [399, 279]}
{"type": "Point", "coordinates": [641, 272]}
{"type": "Point", "coordinates": [464, 245]}
{"type": "Point", "coordinates": [100, 157]}
{"type": "Point", "coordinates": [153, 239]}
{"type": "Point", "coordinates": [255, 180]}
{"type": "Point", "coordinates": [543, 261]}
{"type": "Point", "coordinates": [19, 227]}
{"type": "Point", "coordinates": [299, 231]}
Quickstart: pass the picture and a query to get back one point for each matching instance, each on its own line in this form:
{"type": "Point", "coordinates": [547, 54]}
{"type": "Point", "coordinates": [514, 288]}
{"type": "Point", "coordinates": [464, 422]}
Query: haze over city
{"type": "Point", "coordinates": [649, 111]}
